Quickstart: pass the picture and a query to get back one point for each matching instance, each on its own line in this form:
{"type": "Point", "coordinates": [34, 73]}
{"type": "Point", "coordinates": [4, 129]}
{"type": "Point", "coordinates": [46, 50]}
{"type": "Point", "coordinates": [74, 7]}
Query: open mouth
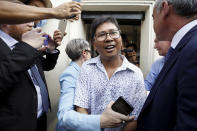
{"type": "Point", "coordinates": [110, 48]}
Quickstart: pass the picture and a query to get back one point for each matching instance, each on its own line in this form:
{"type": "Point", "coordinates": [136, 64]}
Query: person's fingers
{"type": "Point", "coordinates": [58, 43]}
{"type": "Point", "coordinates": [75, 9]}
{"type": "Point", "coordinates": [76, 13]}
{"type": "Point", "coordinates": [77, 17]}
{"type": "Point", "coordinates": [65, 33]}
{"type": "Point", "coordinates": [38, 29]}
{"type": "Point", "coordinates": [57, 35]}
{"type": "Point", "coordinates": [43, 33]}
{"type": "Point", "coordinates": [110, 104]}
{"type": "Point", "coordinates": [42, 49]}
{"type": "Point", "coordinates": [123, 117]}
{"type": "Point", "coordinates": [58, 40]}
{"type": "Point", "coordinates": [127, 118]}
{"type": "Point", "coordinates": [44, 38]}
{"type": "Point", "coordinates": [71, 20]}
{"type": "Point", "coordinates": [75, 4]}
{"type": "Point", "coordinates": [131, 118]}
{"type": "Point", "coordinates": [50, 38]}
{"type": "Point", "coordinates": [57, 31]}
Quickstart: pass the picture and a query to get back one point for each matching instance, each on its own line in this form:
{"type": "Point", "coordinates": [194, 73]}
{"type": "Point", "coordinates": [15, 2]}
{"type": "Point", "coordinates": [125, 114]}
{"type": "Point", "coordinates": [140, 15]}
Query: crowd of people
{"type": "Point", "coordinates": [89, 86]}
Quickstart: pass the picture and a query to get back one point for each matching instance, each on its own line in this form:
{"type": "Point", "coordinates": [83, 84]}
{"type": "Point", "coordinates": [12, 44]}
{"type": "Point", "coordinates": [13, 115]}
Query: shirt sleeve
{"type": "Point", "coordinates": [150, 78]}
{"type": "Point", "coordinates": [152, 75]}
{"type": "Point", "coordinates": [68, 118]}
{"type": "Point", "coordinates": [82, 92]}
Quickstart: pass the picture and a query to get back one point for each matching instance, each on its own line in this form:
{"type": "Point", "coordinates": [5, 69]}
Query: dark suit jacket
{"type": "Point", "coordinates": [18, 97]}
{"type": "Point", "coordinates": [172, 102]}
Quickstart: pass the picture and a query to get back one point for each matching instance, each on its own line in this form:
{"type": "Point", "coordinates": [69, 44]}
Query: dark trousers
{"type": "Point", "coordinates": [42, 123]}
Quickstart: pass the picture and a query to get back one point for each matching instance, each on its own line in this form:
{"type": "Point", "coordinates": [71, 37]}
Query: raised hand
{"type": "Point", "coordinates": [54, 42]}
{"type": "Point", "coordinates": [34, 38]}
{"type": "Point", "coordinates": [68, 10]}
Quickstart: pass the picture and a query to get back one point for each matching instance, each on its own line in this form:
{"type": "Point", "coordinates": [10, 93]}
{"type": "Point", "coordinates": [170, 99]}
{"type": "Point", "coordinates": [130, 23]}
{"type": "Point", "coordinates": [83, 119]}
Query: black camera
{"type": "Point", "coordinates": [127, 50]}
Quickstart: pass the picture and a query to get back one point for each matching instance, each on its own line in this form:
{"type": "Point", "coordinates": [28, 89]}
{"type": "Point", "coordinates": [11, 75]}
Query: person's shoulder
{"type": "Point", "coordinates": [90, 62]}
{"type": "Point", "coordinates": [135, 70]}
{"type": "Point", "coordinates": [159, 62]}
{"type": "Point", "coordinates": [70, 70]}
{"type": "Point", "coordinates": [131, 66]}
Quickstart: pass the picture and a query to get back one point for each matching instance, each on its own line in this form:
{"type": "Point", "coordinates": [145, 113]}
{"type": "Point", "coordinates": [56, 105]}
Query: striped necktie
{"type": "Point", "coordinates": [37, 80]}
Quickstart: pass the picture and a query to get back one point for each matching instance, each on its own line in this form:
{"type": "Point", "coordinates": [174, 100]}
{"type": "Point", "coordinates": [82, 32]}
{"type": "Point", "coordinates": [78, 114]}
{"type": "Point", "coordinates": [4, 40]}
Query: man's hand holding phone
{"type": "Point", "coordinates": [110, 118]}
{"type": "Point", "coordinates": [122, 106]}
{"type": "Point", "coordinates": [75, 11]}
{"type": "Point", "coordinates": [67, 9]}
{"type": "Point", "coordinates": [50, 44]}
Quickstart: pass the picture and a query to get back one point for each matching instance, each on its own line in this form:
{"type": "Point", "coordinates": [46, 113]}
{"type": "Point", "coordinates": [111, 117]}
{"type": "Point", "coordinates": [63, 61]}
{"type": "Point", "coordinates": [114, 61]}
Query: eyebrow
{"type": "Point", "coordinates": [107, 31]}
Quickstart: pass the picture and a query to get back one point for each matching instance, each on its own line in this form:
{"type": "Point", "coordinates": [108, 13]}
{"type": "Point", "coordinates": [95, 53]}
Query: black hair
{"type": "Point", "coordinates": [99, 21]}
{"type": "Point", "coordinates": [132, 45]}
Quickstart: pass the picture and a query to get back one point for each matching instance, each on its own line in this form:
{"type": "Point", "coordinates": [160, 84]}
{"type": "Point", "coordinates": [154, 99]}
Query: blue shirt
{"type": "Point", "coordinates": [68, 118]}
{"type": "Point", "coordinates": [154, 72]}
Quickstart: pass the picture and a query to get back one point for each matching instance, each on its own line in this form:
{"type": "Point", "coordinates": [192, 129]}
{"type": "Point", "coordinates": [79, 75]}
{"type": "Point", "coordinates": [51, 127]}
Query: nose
{"type": "Point", "coordinates": [156, 45]}
{"type": "Point", "coordinates": [108, 37]}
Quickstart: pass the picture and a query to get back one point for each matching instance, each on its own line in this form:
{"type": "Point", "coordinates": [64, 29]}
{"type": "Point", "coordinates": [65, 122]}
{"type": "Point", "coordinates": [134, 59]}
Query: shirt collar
{"type": "Point", "coordinates": [8, 39]}
{"type": "Point", "coordinates": [75, 65]}
{"type": "Point", "coordinates": [180, 34]}
{"type": "Point", "coordinates": [125, 64]}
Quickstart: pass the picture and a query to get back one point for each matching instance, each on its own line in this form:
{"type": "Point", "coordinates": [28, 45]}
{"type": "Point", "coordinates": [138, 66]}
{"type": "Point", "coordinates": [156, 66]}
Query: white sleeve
{"type": "Point", "coordinates": [82, 92]}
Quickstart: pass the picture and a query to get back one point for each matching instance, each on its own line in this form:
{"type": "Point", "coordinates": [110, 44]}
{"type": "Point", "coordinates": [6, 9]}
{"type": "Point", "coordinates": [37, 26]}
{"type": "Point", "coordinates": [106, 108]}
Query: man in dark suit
{"type": "Point", "coordinates": [172, 102]}
{"type": "Point", "coordinates": [23, 103]}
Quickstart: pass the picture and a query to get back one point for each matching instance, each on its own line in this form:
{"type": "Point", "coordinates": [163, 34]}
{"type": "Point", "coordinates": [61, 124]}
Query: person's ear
{"type": "Point", "coordinates": [94, 45]}
{"type": "Point", "coordinates": [166, 7]}
{"type": "Point", "coordinates": [83, 52]}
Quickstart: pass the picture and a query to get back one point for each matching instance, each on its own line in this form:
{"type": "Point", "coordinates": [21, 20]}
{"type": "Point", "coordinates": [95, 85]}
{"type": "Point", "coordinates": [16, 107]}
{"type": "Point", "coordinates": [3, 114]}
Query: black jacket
{"type": "Point", "coordinates": [18, 96]}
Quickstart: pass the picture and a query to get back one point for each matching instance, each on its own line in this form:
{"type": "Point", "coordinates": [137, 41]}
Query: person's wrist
{"type": "Point", "coordinates": [102, 121]}
{"type": "Point", "coordinates": [52, 13]}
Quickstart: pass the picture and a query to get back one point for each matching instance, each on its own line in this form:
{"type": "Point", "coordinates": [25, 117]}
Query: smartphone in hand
{"type": "Point", "coordinates": [121, 106]}
{"type": "Point", "coordinates": [46, 40]}
{"type": "Point", "coordinates": [62, 26]}
{"type": "Point", "coordinates": [73, 16]}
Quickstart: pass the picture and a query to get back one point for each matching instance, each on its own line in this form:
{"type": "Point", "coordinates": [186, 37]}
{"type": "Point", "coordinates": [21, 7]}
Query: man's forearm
{"type": "Point", "coordinates": [23, 13]}
{"type": "Point", "coordinates": [13, 13]}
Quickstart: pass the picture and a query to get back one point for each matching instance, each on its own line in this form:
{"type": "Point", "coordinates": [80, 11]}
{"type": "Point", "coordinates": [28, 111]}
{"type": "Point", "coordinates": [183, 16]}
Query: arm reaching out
{"type": "Point", "coordinates": [24, 13]}
{"type": "Point", "coordinates": [109, 118]}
